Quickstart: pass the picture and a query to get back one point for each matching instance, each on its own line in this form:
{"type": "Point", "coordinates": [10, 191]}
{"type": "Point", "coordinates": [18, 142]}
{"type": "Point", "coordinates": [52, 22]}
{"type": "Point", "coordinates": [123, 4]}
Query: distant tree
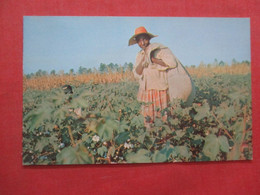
{"type": "Point", "coordinates": [28, 76]}
{"type": "Point", "coordinates": [234, 61]}
{"type": "Point", "coordinates": [53, 72]}
{"type": "Point", "coordinates": [103, 68]}
{"type": "Point", "coordinates": [117, 67]}
{"type": "Point", "coordinates": [125, 66]}
{"type": "Point", "coordinates": [71, 71]}
{"type": "Point", "coordinates": [44, 73]}
{"type": "Point", "coordinates": [41, 73]}
{"type": "Point", "coordinates": [221, 63]}
{"type": "Point", "coordinates": [128, 66]}
{"type": "Point", "coordinates": [89, 70]}
{"type": "Point", "coordinates": [215, 63]}
{"type": "Point", "coordinates": [38, 73]}
{"type": "Point", "coordinates": [111, 67]}
{"type": "Point", "coordinates": [82, 70]}
{"type": "Point", "coordinates": [246, 62]}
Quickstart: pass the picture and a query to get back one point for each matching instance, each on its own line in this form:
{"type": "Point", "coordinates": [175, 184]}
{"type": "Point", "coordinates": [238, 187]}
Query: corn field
{"type": "Point", "coordinates": [54, 81]}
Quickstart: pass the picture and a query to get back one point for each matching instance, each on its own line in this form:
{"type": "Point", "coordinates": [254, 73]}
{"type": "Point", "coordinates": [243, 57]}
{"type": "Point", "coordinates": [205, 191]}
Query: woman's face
{"type": "Point", "coordinates": [143, 41]}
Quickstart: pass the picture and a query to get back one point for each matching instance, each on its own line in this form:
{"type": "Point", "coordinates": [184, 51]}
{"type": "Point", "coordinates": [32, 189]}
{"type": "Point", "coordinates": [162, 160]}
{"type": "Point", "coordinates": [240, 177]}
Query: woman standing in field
{"type": "Point", "coordinates": [161, 76]}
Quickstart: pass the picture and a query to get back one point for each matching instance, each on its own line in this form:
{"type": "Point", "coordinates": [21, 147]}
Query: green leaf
{"type": "Point", "coordinates": [211, 147]}
{"type": "Point", "coordinates": [82, 100]}
{"type": "Point", "coordinates": [60, 113]}
{"type": "Point", "coordinates": [238, 129]}
{"type": "Point", "coordinates": [44, 141]}
{"type": "Point", "coordinates": [149, 143]}
{"type": "Point", "coordinates": [174, 121]}
{"type": "Point", "coordinates": [164, 153]}
{"type": "Point", "coordinates": [158, 122]}
{"type": "Point", "coordinates": [168, 149]}
{"type": "Point", "coordinates": [105, 130]}
{"type": "Point", "coordinates": [197, 142]}
{"type": "Point", "coordinates": [102, 150]}
{"type": "Point", "coordinates": [142, 156]}
{"type": "Point", "coordinates": [167, 129]}
{"type": "Point", "coordinates": [159, 157]}
{"type": "Point", "coordinates": [37, 118]}
{"type": "Point", "coordinates": [203, 111]}
{"type": "Point", "coordinates": [138, 121]}
{"type": "Point", "coordinates": [179, 134]}
{"type": "Point", "coordinates": [123, 127]}
{"type": "Point", "coordinates": [53, 140]}
{"type": "Point", "coordinates": [141, 137]}
{"type": "Point", "coordinates": [77, 155]}
{"type": "Point", "coordinates": [183, 151]}
{"type": "Point", "coordinates": [57, 98]}
{"type": "Point", "coordinates": [122, 137]}
{"type": "Point", "coordinates": [86, 138]}
{"type": "Point", "coordinates": [223, 142]}
{"type": "Point", "coordinates": [230, 112]}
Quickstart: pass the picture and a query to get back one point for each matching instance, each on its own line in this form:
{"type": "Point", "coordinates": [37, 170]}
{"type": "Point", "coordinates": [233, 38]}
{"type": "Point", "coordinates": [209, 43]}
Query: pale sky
{"type": "Point", "coordinates": [63, 43]}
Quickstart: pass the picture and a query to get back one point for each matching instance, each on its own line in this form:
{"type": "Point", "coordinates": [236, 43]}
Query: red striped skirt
{"type": "Point", "coordinates": [154, 101]}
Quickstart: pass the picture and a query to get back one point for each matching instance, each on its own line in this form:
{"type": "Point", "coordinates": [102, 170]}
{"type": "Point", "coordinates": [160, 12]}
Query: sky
{"type": "Point", "coordinates": [68, 42]}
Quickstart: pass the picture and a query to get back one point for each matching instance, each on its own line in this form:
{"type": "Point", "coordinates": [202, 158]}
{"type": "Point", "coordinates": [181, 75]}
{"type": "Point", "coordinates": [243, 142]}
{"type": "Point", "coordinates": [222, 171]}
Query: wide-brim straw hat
{"type": "Point", "coordinates": [140, 30]}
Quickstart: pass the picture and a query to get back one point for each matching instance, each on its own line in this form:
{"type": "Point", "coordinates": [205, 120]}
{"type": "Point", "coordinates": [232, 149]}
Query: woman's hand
{"type": "Point", "coordinates": [158, 61]}
{"type": "Point", "coordinates": [140, 65]}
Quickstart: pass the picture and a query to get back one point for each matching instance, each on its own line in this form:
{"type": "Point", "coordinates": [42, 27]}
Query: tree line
{"type": "Point", "coordinates": [111, 67]}
{"type": "Point", "coordinates": [103, 68]}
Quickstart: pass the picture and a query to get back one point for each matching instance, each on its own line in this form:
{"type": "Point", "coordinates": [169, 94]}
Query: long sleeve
{"type": "Point", "coordinates": [140, 63]}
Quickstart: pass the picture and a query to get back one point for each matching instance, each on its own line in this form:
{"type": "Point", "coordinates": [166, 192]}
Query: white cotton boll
{"type": "Point", "coordinates": [128, 145]}
{"type": "Point", "coordinates": [95, 138]}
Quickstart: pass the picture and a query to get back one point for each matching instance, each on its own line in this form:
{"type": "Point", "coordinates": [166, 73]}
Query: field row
{"type": "Point", "coordinates": [101, 123]}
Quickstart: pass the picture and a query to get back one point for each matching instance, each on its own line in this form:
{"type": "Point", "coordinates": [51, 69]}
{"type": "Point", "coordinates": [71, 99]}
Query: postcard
{"type": "Point", "coordinates": [109, 90]}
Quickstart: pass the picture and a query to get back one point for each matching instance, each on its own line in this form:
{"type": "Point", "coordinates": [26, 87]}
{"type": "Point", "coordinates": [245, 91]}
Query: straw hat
{"type": "Point", "coordinates": [140, 30]}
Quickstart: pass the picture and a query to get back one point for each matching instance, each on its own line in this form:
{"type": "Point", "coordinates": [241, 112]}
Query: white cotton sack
{"type": "Point", "coordinates": [180, 84]}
